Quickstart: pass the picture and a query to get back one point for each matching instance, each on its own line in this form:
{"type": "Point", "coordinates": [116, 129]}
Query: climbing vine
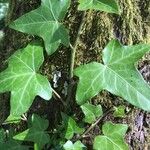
{"type": "Point", "coordinates": [117, 74]}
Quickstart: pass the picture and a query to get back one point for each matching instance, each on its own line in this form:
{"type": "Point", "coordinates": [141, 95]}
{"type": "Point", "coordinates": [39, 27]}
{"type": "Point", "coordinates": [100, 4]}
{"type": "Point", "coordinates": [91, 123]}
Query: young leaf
{"type": "Point", "coordinates": [76, 146]}
{"type": "Point", "coordinates": [36, 133]}
{"type": "Point", "coordinates": [112, 138]}
{"type": "Point", "coordinates": [119, 111]}
{"type": "Point", "coordinates": [45, 22]}
{"type": "Point", "coordinates": [109, 6]}
{"type": "Point", "coordinates": [91, 112]}
{"type": "Point", "coordinates": [71, 127]}
{"type": "Point", "coordinates": [22, 80]}
{"type": "Point", "coordinates": [118, 75]}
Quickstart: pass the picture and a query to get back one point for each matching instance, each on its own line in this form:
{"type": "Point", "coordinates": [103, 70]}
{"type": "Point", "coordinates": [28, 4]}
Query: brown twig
{"type": "Point", "coordinates": [59, 97]}
{"type": "Point", "coordinates": [84, 135]}
{"type": "Point", "coordinates": [74, 47]}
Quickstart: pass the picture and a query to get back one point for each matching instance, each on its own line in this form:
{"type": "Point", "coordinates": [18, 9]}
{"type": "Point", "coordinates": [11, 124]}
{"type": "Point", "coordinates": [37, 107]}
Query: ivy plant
{"type": "Point", "coordinates": [71, 127]}
{"type": "Point", "coordinates": [91, 112]}
{"type": "Point", "coordinates": [22, 79]}
{"type": "Point", "coordinates": [46, 22]}
{"type": "Point", "coordinates": [118, 75]}
{"type": "Point", "coordinates": [9, 143]}
{"type": "Point", "coordinates": [36, 133]}
{"type": "Point", "coordinates": [76, 146]}
{"type": "Point", "coordinates": [103, 5]}
{"type": "Point", "coordinates": [113, 138]}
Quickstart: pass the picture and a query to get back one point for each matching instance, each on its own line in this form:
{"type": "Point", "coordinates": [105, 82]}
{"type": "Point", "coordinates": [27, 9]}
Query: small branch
{"type": "Point", "coordinates": [84, 135]}
{"type": "Point", "coordinates": [74, 47]}
{"type": "Point", "coordinates": [59, 97]}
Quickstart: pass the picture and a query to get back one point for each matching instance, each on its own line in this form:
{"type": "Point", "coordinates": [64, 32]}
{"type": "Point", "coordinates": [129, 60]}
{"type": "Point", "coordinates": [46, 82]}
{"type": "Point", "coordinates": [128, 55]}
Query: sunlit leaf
{"type": "Point", "coordinates": [119, 111]}
{"type": "Point", "coordinates": [45, 22]}
{"type": "Point", "coordinates": [91, 112]}
{"type": "Point", "coordinates": [76, 146]}
{"type": "Point", "coordinates": [103, 5]}
{"type": "Point", "coordinates": [113, 138]}
{"type": "Point", "coordinates": [22, 79]}
{"type": "Point", "coordinates": [118, 75]}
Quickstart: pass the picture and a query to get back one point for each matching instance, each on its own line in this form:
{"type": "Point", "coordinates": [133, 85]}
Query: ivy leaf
{"type": "Point", "coordinates": [45, 22]}
{"type": "Point", "coordinates": [118, 75]}
{"type": "Point", "coordinates": [91, 112]}
{"type": "Point", "coordinates": [71, 127]}
{"type": "Point", "coordinates": [113, 138]}
{"type": "Point", "coordinates": [119, 111]}
{"type": "Point", "coordinates": [76, 146]}
{"type": "Point", "coordinates": [110, 6]}
{"type": "Point", "coordinates": [13, 145]}
{"type": "Point", "coordinates": [36, 133]}
{"type": "Point", "coordinates": [22, 80]}
{"type": "Point", "coordinates": [10, 144]}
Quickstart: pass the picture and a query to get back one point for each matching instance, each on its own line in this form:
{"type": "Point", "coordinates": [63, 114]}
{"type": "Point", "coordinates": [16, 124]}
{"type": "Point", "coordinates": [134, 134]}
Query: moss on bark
{"type": "Point", "coordinates": [131, 27]}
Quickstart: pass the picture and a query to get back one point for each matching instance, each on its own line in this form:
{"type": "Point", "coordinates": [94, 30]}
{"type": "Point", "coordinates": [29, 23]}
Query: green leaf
{"type": "Point", "coordinates": [76, 146]}
{"type": "Point", "coordinates": [36, 133]}
{"type": "Point", "coordinates": [45, 22]}
{"type": "Point", "coordinates": [22, 80]}
{"type": "Point", "coordinates": [118, 75]}
{"type": "Point", "coordinates": [109, 6]}
{"type": "Point", "coordinates": [91, 112]}
{"type": "Point", "coordinates": [12, 145]}
{"type": "Point", "coordinates": [113, 138]}
{"type": "Point", "coordinates": [119, 111]}
{"type": "Point", "coordinates": [71, 127]}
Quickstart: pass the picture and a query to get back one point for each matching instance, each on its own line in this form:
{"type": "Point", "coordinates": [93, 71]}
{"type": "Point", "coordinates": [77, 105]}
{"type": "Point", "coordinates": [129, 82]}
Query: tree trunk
{"type": "Point", "coordinates": [131, 27]}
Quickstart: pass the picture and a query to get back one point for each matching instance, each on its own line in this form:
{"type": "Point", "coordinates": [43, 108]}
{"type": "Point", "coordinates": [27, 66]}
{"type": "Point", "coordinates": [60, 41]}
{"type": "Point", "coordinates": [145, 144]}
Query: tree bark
{"type": "Point", "coordinates": [131, 27]}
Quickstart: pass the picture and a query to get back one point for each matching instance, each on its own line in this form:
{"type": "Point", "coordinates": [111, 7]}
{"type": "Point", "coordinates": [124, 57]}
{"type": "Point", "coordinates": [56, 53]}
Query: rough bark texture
{"type": "Point", "coordinates": [131, 27]}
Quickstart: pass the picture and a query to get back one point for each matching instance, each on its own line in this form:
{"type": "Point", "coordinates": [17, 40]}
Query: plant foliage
{"type": "Point", "coordinates": [71, 127]}
{"type": "Point", "coordinates": [10, 144]}
{"type": "Point", "coordinates": [110, 6]}
{"type": "Point", "coordinates": [45, 22]}
{"type": "Point", "coordinates": [76, 146]}
{"type": "Point", "coordinates": [118, 75]}
{"type": "Point", "coordinates": [113, 138]}
{"type": "Point", "coordinates": [36, 133]}
{"type": "Point", "coordinates": [22, 79]}
{"type": "Point", "coordinates": [91, 112]}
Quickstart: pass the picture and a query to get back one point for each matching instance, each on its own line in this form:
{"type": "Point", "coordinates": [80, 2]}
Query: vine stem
{"type": "Point", "coordinates": [12, 4]}
{"type": "Point", "coordinates": [59, 97]}
{"type": "Point", "coordinates": [94, 124]}
{"type": "Point", "coordinates": [74, 47]}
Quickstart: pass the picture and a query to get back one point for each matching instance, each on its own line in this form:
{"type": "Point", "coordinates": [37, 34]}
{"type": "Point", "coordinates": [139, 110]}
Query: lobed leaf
{"type": "Point", "coordinates": [91, 112]}
{"type": "Point", "coordinates": [36, 133]}
{"type": "Point", "coordinates": [22, 79]}
{"type": "Point", "coordinates": [113, 138]}
{"type": "Point", "coordinates": [118, 75]}
{"type": "Point", "coordinates": [71, 127]}
{"type": "Point", "coordinates": [109, 6]}
{"type": "Point", "coordinates": [10, 144]}
{"type": "Point", "coordinates": [76, 146]}
{"type": "Point", "coordinates": [45, 22]}
{"type": "Point", "coordinates": [119, 111]}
